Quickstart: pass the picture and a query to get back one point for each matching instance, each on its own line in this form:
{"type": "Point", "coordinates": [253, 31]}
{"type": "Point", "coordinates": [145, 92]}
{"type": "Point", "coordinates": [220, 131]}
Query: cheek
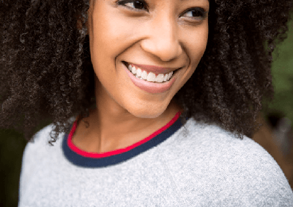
{"type": "Point", "coordinates": [102, 39]}
{"type": "Point", "coordinates": [197, 46]}
{"type": "Point", "coordinates": [195, 43]}
{"type": "Point", "coordinates": [105, 45]}
{"type": "Point", "coordinates": [108, 32]}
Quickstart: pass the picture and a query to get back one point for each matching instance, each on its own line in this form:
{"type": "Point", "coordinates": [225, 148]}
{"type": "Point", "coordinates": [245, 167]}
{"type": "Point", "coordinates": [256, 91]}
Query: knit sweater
{"type": "Point", "coordinates": [191, 165]}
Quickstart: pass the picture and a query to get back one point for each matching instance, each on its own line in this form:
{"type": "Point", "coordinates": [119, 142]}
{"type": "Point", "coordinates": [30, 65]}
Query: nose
{"type": "Point", "coordinates": [162, 40]}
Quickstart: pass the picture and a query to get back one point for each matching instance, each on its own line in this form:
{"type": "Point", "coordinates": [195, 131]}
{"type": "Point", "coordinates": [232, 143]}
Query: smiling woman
{"type": "Point", "coordinates": [152, 101]}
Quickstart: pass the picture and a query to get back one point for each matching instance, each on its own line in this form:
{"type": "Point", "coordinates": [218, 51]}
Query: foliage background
{"type": "Point", "coordinates": [283, 77]}
{"type": "Point", "coordinates": [12, 143]}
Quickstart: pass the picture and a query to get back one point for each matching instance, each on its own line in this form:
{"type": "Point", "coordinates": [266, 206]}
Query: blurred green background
{"type": "Point", "coordinates": [13, 143]}
{"type": "Point", "coordinates": [283, 77]}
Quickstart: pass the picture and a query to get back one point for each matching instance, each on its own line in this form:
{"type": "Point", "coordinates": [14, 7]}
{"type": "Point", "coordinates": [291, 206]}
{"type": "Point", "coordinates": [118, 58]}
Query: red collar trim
{"type": "Point", "coordinates": [119, 151]}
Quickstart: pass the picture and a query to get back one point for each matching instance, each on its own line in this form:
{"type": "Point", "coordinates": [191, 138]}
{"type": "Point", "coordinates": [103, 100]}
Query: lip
{"type": "Point", "coordinates": [148, 86]}
{"type": "Point", "coordinates": [153, 69]}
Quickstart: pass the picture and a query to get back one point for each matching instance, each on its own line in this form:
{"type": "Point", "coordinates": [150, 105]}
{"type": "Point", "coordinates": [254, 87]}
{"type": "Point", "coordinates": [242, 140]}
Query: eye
{"type": "Point", "coordinates": [195, 13]}
{"type": "Point", "coordinates": [134, 4]}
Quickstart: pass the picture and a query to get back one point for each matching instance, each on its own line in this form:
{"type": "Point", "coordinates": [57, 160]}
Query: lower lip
{"type": "Point", "coordinates": [149, 86]}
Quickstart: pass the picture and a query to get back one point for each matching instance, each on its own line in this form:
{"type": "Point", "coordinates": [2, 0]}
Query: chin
{"type": "Point", "coordinates": [147, 112]}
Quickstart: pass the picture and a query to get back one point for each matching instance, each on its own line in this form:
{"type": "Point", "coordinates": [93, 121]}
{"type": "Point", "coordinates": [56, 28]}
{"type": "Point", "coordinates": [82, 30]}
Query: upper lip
{"type": "Point", "coordinates": [152, 68]}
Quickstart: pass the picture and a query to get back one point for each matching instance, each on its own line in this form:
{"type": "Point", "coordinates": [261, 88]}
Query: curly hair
{"type": "Point", "coordinates": [46, 72]}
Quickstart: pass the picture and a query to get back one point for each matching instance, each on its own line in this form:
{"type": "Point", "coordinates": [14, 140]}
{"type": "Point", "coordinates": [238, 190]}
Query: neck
{"type": "Point", "coordinates": [112, 127]}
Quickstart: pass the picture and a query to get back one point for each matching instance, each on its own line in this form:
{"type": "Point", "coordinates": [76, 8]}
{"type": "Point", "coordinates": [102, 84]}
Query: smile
{"type": "Point", "coordinates": [154, 81]}
{"type": "Point", "coordinates": [150, 77]}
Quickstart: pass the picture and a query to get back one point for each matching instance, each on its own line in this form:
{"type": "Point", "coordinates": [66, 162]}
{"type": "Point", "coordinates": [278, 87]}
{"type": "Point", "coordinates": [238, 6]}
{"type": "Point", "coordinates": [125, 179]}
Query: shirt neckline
{"type": "Point", "coordinates": [87, 159]}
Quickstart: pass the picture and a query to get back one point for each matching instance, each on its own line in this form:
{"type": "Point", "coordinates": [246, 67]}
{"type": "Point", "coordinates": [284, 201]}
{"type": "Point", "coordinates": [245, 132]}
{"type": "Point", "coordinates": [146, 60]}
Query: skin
{"type": "Point", "coordinates": [164, 35]}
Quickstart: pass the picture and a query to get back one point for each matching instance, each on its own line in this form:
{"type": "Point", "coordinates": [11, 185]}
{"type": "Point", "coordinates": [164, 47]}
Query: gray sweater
{"type": "Point", "coordinates": [190, 165]}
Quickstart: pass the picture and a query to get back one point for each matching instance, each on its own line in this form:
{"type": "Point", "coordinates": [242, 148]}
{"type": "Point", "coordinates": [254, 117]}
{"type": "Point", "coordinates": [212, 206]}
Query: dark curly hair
{"type": "Point", "coordinates": [46, 72]}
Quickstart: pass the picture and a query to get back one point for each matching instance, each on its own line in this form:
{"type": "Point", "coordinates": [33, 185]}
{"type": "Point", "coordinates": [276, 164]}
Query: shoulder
{"type": "Point", "coordinates": [211, 141]}
{"type": "Point", "coordinates": [39, 159]}
{"type": "Point", "coordinates": [40, 141]}
{"type": "Point", "coordinates": [39, 150]}
{"type": "Point", "coordinates": [227, 167]}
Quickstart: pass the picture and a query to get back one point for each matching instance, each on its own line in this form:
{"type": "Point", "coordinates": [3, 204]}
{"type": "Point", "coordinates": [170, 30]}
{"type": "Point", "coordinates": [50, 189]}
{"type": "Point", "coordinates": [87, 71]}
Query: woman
{"type": "Point", "coordinates": [163, 93]}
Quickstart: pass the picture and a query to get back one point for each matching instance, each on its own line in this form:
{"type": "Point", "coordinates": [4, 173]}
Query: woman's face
{"type": "Point", "coordinates": [152, 39]}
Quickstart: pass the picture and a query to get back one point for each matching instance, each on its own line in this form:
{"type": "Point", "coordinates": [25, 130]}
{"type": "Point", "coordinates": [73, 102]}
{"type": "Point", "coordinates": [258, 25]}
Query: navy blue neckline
{"type": "Point", "coordinates": [82, 161]}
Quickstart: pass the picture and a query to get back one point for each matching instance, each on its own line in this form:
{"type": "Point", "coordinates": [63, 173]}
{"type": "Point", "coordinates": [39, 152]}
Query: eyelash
{"type": "Point", "coordinates": [124, 2]}
{"type": "Point", "coordinates": [200, 11]}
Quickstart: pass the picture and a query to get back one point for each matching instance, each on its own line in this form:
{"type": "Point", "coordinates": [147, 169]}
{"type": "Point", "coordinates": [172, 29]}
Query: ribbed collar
{"type": "Point", "coordinates": [93, 160]}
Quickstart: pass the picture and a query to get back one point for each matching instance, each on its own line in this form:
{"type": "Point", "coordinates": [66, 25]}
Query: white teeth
{"type": "Point", "coordinates": [133, 70]}
{"type": "Point", "coordinates": [144, 75]}
{"type": "Point", "coordinates": [138, 72]}
{"type": "Point", "coordinates": [166, 77]}
{"type": "Point", "coordinates": [151, 77]}
{"type": "Point", "coordinates": [160, 78]}
{"type": "Point", "coordinates": [170, 75]}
